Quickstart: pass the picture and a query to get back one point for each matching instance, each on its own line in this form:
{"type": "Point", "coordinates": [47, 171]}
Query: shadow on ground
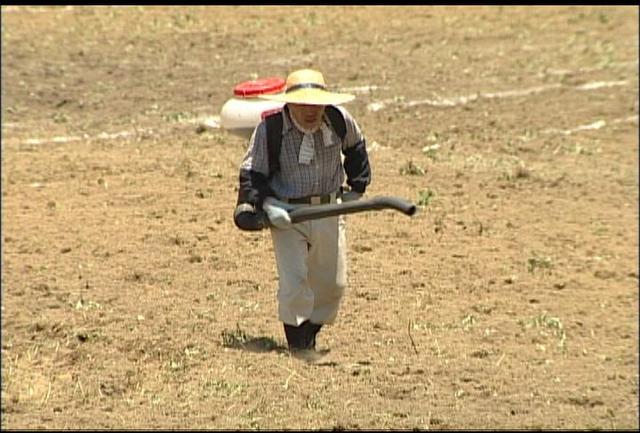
{"type": "Point", "coordinates": [239, 339]}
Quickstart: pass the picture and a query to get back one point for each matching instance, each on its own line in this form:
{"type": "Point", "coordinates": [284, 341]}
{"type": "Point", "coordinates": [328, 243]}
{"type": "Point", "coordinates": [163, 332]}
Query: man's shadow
{"type": "Point", "coordinates": [239, 339]}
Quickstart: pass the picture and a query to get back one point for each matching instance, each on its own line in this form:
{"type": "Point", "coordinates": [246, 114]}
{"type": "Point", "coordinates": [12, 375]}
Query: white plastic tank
{"type": "Point", "coordinates": [242, 113]}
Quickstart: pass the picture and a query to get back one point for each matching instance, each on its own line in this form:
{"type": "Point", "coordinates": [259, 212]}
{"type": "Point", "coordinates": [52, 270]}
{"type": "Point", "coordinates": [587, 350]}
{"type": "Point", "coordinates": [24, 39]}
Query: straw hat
{"type": "Point", "coordinates": [306, 86]}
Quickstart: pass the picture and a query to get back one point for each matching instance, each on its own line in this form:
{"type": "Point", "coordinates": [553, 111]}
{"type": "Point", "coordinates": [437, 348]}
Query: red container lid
{"type": "Point", "coordinates": [260, 86]}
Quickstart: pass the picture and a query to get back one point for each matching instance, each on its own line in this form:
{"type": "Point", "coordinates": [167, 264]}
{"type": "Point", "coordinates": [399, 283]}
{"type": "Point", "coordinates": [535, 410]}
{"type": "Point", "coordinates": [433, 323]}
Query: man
{"type": "Point", "coordinates": [319, 146]}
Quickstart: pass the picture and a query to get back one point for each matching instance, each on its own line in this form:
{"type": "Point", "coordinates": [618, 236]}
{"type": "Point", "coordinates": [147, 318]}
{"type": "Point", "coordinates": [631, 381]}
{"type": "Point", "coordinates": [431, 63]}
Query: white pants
{"type": "Point", "coordinates": [312, 269]}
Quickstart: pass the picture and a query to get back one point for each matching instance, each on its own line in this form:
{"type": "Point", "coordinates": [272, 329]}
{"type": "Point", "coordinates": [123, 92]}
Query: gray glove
{"type": "Point", "coordinates": [277, 212]}
{"type": "Point", "coordinates": [350, 196]}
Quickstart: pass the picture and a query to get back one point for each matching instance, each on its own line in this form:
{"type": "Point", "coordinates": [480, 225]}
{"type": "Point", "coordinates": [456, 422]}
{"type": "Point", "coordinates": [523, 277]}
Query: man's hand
{"type": "Point", "coordinates": [350, 196]}
{"type": "Point", "coordinates": [277, 212]}
{"type": "Point", "coordinates": [247, 218]}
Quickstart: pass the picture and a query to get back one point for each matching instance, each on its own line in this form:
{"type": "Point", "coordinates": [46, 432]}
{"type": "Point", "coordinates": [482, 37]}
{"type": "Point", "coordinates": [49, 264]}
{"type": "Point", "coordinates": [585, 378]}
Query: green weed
{"type": "Point", "coordinates": [214, 387]}
{"type": "Point", "coordinates": [411, 169]}
{"type": "Point", "coordinates": [234, 338]}
{"type": "Point", "coordinates": [467, 321]}
{"type": "Point", "coordinates": [547, 324]}
{"type": "Point", "coordinates": [539, 263]}
{"type": "Point", "coordinates": [430, 151]}
{"type": "Point", "coordinates": [424, 197]}
{"type": "Point", "coordinates": [519, 172]}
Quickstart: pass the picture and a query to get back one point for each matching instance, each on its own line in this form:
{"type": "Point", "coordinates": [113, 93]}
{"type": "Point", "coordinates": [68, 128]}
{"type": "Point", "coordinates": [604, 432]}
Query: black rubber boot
{"type": "Point", "coordinates": [296, 336]}
{"type": "Point", "coordinates": [302, 337]}
{"type": "Point", "coordinates": [312, 331]}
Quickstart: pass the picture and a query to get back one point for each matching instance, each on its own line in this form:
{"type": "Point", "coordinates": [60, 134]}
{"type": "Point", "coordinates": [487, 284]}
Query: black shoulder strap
{"type": "Point", "coordinates": [274, 134]}
{"type": "Point", "coordinates": [337, 121]}
{"type": "Point", "coordinates": [274, 141]}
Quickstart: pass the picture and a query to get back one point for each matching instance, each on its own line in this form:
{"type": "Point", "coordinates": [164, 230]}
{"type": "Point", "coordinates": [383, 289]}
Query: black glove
{"type": "Point", "coordinates": [247, 218]}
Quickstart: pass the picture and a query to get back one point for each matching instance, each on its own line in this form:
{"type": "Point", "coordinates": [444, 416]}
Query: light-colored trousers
{"type": "Point", "coordinates": [312, 270]}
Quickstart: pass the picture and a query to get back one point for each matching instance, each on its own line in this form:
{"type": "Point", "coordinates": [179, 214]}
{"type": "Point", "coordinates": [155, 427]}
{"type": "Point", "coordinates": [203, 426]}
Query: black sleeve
{"type": "Point", "coordinates": [253, 188]}
{"type": "Point", "coordinates": [356, 166]}
{"type": "Point", "coordinates": [248, 214]}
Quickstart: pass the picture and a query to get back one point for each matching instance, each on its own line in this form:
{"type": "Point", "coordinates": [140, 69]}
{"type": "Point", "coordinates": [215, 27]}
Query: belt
{"type": "Point", "coordinates": [312, 199]}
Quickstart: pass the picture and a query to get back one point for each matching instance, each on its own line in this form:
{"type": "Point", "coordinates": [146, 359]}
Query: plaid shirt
{"type": "Point", "coordinates": [325, 173]}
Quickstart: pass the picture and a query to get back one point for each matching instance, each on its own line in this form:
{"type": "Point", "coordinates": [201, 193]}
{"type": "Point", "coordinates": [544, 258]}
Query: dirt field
{"type": "Point", "coordinates": [130, 299]}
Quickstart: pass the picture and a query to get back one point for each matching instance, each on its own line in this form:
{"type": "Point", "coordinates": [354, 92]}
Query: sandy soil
{"type": "Point", "coordinates": [130, 300]}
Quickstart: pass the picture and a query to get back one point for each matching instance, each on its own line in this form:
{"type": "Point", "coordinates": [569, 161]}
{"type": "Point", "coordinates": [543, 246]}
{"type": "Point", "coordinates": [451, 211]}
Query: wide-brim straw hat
{"type": "Point", "coordinates": [307, 86]}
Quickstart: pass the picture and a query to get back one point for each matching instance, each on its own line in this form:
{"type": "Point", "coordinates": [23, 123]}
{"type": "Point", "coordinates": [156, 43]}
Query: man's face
{"type": "Point", "coordinates": [308, 116]}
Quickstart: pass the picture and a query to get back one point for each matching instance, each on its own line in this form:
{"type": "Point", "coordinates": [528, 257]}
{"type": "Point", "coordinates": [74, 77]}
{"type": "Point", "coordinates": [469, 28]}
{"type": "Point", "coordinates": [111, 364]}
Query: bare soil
{"type": "Point", "coordinates": [510, 301]}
